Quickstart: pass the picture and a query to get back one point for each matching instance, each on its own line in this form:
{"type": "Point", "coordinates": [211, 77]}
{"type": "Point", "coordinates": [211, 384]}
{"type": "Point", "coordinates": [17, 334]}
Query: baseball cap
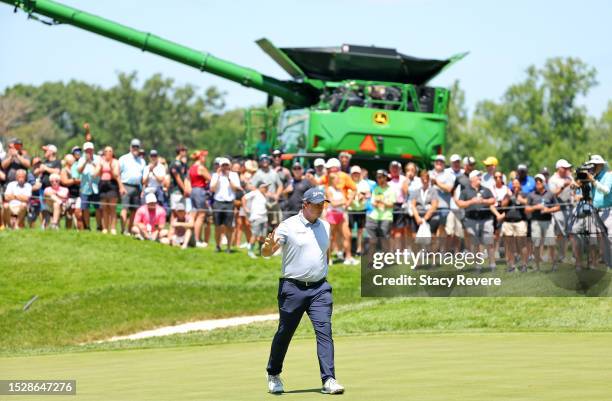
{"type": "Point", "coordinates": [263, 184]}
{"type": "Point", "coordinates": [596, 159]}
{"type": "Point", "coordinates": [16, 141]}
{"type": "Point", "coordinates": [297, 164]}
{"type": "Point", "coordinates": [319, 162]}
{"type": "Point", "coordinates": [469, 160]}
{"type": "Point", "coordinates": [153, 152]}
{"type": "Point", "coordinates": [475, 173]}
{"type": "Point", "coordinates": [277, 152]}
{"type": "Point", "coordinates": [522, 167]}
{"type": "Point", "coordinates": [540, 177]}
{"type": "Point", "coordinates": [344, 154]}
{"type": "Point", "coordinates": [490, 161]}
{"type": "Point", "coordinates": [264, 157]}
{"type": "Point", "coordinates": [314, 195]}
{"type": "Point", "coordinates": [51, 148]}
{"type": "Point", "coordinates": [355, 169]}
{"type": "Point", "coordinates": [395, 163]}
{"type": "Point", "coordinates": [178, 207]}
{"type": "Point", "coordinates": [150, 198]}
{"type": "Point", "coordinates": [75, 149]}
{"type": "Point", "coordinates": [382, 172]}
{"type": "Point", "coordinates": [88, 145]}
{"type": "Point", "coordinates": [455, 158]}
{"type": "Point", "coordinates": [562, 163]}
{"type": "Point", "coordinates": [440, 158]}
{"type": "Point", "coordinates": [310, 171]}
{"type": "Point", "coordinates": [333, 162]}
{"type": "Point", "coordinates": [223, 160]}
{"type": "Point", "coordinates": [135, 142]}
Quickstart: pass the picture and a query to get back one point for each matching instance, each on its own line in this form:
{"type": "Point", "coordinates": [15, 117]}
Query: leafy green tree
{"type": "Point", "coordinates": [540, 119]}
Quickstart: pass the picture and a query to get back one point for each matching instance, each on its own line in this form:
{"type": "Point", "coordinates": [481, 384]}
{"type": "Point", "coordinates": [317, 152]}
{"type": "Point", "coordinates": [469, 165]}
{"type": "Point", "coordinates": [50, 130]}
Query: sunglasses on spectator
{"type": "Point", "coordinates": [297, 168]}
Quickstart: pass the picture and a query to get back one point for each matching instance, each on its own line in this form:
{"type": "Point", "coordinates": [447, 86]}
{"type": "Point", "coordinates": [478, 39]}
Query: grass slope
{"type": "Point", "coordinates": [92, 287]}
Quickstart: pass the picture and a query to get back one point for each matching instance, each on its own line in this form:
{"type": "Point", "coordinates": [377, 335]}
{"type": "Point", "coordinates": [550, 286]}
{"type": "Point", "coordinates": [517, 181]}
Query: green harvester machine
{"type": "Point", "coordinates": [369, 101]}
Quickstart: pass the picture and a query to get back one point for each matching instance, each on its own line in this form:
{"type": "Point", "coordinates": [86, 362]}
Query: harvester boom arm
{"type": "Point", "coordinates": [162, 47]}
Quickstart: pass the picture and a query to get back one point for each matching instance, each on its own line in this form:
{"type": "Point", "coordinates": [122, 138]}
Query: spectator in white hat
{"type": "Point", "coordinates": [443, 182]}
{"type": "Point", "coordinates": [56, 199]}
{"type": "Point", "coordinates": [601, 181]}
{"type": "Point", "coordinates": [50, 165]}
{"type": "Point", "coordinates": [455, 165]}
{"type": "Point", "coordinates": [319, 167]}
{"type": "Point", "coordinates": [357, 205]}
{"type": "Point", "coordinates": [224, 184]}
{"type": "Point", "coordinates": [479, 205]}
{"type": "Point", "coordinates": [541, 203]}
{"type": "Point", "coordinates": [150, 220]}
{"type": "Point", "coordinates": [560, 185]}
{"type": "Point", "coordinates": [344, 183]}
{"type": "Point", "coordinates": [181, 228]}
{"type": "Point", "coordinates": [345, 161]}
{"type": "Point", "coordinates": [131, 169]}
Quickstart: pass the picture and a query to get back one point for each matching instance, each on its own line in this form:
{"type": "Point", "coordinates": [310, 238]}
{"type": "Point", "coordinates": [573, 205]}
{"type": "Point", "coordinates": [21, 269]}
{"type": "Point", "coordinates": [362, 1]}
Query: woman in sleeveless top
{"type": "Point", "coordinates": [110, 189]}
{"type": "Point", "coordinates": [73, 185]}
{"type": "Point", "coordinates": [335, 210]}
{"type": "Point", "coordinates": [200, 180]}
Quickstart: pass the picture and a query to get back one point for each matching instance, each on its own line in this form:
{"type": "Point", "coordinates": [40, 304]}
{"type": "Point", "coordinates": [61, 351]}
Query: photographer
{"type": "Point", "coordinates": [600, 181]}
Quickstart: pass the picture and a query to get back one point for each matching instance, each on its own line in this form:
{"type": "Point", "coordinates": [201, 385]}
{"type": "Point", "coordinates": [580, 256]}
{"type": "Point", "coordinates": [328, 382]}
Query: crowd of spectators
{"type": "Point", "coordinates": [182, 200]}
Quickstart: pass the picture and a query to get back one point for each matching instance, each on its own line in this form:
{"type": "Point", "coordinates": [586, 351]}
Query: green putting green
{"type": "Point", "coordinates": [424, 367]}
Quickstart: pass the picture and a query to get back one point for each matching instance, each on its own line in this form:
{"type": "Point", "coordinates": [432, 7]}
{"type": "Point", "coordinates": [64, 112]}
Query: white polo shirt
{"type": "Point", "coordinates": [305, 247]}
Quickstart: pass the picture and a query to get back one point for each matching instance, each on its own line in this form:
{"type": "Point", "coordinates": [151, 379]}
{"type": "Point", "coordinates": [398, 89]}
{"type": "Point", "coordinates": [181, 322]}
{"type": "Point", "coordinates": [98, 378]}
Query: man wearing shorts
{"type": "Point", "coordinates": [224, 184]}
{"type": "Point", "coordinates": [541, 203]}
{"type": "Point", "coordinates": [131, 168]}
{"type": "Point", "coordinates": [254, 204]}
{"type": "Point", "coordinates": [477, 202]}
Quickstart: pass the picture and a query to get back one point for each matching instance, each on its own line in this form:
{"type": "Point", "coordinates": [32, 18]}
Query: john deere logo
{"type": "Point", "coordinates": [381, 118]}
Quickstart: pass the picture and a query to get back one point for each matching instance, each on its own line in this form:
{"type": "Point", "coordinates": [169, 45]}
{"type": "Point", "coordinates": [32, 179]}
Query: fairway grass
{"type": "Point", "coordinates": [424, 367]}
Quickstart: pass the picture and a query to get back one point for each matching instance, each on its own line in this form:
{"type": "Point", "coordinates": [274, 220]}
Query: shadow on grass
{"type": "Point", "coordinates": [306, 390]}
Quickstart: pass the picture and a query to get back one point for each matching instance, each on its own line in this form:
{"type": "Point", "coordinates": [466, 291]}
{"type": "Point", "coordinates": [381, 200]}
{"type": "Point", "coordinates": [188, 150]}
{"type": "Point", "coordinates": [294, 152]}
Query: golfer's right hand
{"type": "Point", "coordinates": [270, 242]}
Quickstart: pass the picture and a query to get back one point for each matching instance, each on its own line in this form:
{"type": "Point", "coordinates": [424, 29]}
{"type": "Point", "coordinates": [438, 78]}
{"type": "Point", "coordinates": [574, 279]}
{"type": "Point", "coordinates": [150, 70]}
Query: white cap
{"type": "Point", "coordinates": [563, 163]}
{"type": "Point", "coordinates": [355, 169]}
{"type": "Point", "coordinates": [440, 158]}
{"type": "Point", "coordinates": [540, 177]}
{"type": "Point", "coordinates": [224, 160]}
{"type": "Point", "coordinates": [135, 142]}
{"type": "Point", "coordinates": [319, 162]}
{"type": "Point", "coordinates": [150, 198]}
{"type": "Point", "coordinates": [51, 148]}
{"type": "Point", "coordinates": [88, 145]}
{"type": "Point", "coordinates": [455, 158]}
{"type": "Point", "coordinates": [521, 167]}
{"type": "Point", "coordinates": [469, 160]}
{"type": "Point", "coordinates": [333, 162]}
{"type": "Point", "coordinates": [596, 159]}
{"type": "Point", "coordinates": [475, 173]}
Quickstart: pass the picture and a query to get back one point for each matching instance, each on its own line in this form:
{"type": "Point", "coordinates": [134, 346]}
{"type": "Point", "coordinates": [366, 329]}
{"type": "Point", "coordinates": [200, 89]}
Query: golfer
{"type": "Point", "coordinates": [303, 287]}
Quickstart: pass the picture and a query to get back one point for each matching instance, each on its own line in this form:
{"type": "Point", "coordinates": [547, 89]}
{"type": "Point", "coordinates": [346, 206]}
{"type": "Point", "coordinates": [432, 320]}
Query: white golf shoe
{"type": "Point", "coordinates": [331, 386]}
{"type": "Point", "coordinates": [275, 384]}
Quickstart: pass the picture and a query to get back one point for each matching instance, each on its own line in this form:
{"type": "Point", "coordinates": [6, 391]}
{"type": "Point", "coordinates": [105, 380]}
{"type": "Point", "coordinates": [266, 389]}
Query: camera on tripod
{"type": "Point", "coordinates": [583, 170]}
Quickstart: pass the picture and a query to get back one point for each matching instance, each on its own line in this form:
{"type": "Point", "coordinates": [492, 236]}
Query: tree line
{"type": "Point", "coordinates": [536, 121]}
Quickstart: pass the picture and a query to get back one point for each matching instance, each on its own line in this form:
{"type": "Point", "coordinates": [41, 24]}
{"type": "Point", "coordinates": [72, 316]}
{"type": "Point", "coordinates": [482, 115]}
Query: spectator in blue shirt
{"type": "Point", "coordinates": [527, 181]}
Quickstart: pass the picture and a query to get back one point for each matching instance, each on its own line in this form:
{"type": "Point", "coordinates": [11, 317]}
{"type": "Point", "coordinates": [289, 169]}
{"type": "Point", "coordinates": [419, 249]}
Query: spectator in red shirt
{"type": "Point", "coordinates": [200, 181]}
{"type": "Point", "coordinates": [150, 220]}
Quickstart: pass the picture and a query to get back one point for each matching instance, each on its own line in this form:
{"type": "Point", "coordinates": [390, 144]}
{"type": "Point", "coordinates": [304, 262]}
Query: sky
{"type": "Point", "coordinates": [503, 38]}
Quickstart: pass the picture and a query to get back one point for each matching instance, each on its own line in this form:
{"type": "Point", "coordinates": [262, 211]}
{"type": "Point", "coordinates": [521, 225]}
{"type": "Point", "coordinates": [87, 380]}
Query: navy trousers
{"type": "Point", "coordinates": [293, 300]}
